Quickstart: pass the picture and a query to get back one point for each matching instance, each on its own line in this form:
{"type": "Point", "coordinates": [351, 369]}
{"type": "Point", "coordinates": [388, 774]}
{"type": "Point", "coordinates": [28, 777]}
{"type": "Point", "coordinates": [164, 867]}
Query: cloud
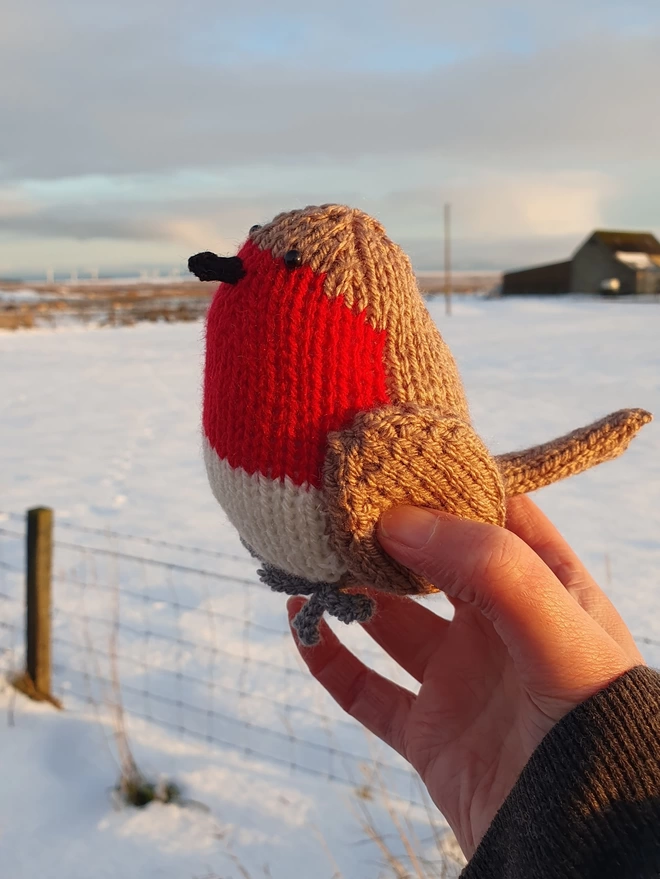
{"type": "Point", "coordinates": [163, 123]}
{"type": "Point", "coordinates": [219, 223]}
{"type": "Point", "coordinates": [499, 219]}
{"type": "Point", "coordinates": [508, 205]}
{"type": "Point", "coordinates": [492, 253]}
{"type": "Point", "coordinates": [145, 90]}
{"type": "Point", "coordinates": [60, 224]}
{"type": "Point", "coordinates": [552, 203]}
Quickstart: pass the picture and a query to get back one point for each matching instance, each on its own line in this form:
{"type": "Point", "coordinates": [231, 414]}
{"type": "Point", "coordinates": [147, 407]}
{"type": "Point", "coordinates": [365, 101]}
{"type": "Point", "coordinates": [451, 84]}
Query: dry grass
{"type": "Point", "coordinates": [108, 305]}
{"type": "Point", "coordinates": [461, 283]}
{"type": "Point", "coordinates": [402, 854]}
{"type": "Point", "coordinates": [121, 305]}
{"type": "Point", "coordinates": [133, 788]}
{"type": "Point", "coordinates": [23, 683]}
{"type": "Point", "coordinates": [17, 319]}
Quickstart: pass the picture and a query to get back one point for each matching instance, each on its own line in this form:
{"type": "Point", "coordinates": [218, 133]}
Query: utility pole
{"type": "Point", "coordinates": [448, 260]}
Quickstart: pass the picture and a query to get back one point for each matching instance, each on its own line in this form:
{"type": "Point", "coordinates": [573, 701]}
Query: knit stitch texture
{"type": "Point", "coordinates": [330, 396]}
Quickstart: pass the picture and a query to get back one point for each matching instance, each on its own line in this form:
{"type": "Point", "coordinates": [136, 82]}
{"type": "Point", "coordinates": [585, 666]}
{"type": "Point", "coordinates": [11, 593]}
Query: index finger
{"type": "Point", "coordinates": [374, 701]}
{"type": "Point", "coordinates": [407, 631]}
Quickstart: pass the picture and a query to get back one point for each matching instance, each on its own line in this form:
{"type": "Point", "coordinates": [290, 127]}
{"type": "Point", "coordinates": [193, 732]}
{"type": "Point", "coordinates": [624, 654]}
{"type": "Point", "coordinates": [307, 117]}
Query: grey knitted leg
{"type": "Point", "coordinates": [347, 608]}
{"type": "Point", "coordinates": [306, 622]}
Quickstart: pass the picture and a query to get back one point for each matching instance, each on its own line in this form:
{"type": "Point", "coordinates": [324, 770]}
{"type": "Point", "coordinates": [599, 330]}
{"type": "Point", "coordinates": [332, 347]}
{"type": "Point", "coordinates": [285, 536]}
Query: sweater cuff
{"type": "Point", "coordinates": [587, 804]}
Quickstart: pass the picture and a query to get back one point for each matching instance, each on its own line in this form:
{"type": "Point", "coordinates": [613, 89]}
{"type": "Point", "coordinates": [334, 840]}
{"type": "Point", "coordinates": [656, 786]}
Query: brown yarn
{"type": "Point", "coordinates": [571, 454]}
{"type": "Point", "coordinates": [403, 455]}
{"type": "Point", "coordinates": [420, 449]}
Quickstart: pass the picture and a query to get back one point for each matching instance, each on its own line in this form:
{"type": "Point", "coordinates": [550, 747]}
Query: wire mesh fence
{"type": "Point", "coordinates": [12, 572]}
{"type": "Point", "coordinates": [187, 640]}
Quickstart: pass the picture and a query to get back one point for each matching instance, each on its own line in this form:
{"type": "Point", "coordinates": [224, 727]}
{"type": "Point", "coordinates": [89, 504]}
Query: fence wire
{"type": "Point", "coordinates": [198, 650]}
{"type": "Point", "coordinates": [12, 567]}
{"type": "Point", "coordinates": [203, 652]}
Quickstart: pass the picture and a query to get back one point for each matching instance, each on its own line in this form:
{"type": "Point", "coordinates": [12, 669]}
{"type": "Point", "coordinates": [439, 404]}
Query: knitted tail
{"type": "Point", "coordinates": [577, 451]}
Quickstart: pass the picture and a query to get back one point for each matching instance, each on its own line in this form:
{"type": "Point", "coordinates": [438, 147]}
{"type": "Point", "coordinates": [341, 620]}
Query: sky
{"type": "Point", "coordinates": [133, 134]}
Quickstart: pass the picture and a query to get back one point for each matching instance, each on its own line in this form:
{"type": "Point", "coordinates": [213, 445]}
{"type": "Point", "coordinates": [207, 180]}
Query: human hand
{"type": "Point", "coordinates": [532, 637]}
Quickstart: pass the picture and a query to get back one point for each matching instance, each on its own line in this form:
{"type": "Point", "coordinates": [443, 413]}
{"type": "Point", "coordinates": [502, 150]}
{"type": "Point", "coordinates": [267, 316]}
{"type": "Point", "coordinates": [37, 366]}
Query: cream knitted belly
{"type": "Point", "coordinates": [284, 523]}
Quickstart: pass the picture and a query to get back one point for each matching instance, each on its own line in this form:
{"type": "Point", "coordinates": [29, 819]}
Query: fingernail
{"type": "Point", "coordinates": [409, 526]}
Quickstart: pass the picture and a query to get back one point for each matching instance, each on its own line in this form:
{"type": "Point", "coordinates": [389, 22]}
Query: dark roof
{"type": "Point", "coordinates": [628, 242]}
{"type": "Point", "coordinates": [545, 269]}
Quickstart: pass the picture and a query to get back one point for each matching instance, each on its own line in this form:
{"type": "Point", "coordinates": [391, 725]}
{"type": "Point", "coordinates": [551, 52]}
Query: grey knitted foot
{"type": "Point", "coordinates": [324, 597]}
{"type": "Point", "coordinates": [348, 608]}
{"type": "Point", "coordinates": [288, 584]}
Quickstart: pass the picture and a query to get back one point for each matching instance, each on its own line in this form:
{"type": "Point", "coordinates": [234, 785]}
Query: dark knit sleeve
{"type": "Point", "coordinates": [587, 804]}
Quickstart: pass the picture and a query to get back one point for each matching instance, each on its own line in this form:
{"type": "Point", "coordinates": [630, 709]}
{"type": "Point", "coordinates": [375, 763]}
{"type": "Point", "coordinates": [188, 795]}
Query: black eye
{"type": "Point", "coordinates": [254, 228]}
{"type": "Point", "coordinates": [292, 259]}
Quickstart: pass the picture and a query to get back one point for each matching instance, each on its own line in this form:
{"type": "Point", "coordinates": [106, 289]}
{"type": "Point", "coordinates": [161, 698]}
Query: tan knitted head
{"type": "Point", "coordinates": [331, 397]}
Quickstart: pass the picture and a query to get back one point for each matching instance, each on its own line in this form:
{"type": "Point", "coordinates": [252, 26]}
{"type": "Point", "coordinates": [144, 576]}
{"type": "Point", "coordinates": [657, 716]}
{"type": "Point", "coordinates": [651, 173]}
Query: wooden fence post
{"type": "Point", "coordinates": [36, 682]}
{"type": "Point", "coordinates": [39, 565]}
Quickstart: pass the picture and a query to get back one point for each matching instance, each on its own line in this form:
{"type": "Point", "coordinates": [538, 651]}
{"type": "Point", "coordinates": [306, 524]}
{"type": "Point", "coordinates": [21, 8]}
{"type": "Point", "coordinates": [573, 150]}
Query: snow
{"type": "Point", "coordinates": [17, 297]}
{"type": "Point", "coordinates": [102, 425]}
{"type": "Point", "coordinates": [635, 260]}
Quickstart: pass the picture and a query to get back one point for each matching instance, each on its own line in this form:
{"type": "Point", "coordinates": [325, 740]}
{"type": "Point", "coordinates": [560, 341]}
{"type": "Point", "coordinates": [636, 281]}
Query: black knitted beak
{"type": "Point", "coordinates": [209, 267]}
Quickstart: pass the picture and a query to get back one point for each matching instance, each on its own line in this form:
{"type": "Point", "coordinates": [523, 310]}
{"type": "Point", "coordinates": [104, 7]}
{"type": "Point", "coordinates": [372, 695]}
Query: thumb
{"type": "Point", "coordinates": [543, 627]}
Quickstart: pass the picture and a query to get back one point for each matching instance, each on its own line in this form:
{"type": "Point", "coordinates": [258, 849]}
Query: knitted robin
{"type": "Point", "coordinates": [330, 396]}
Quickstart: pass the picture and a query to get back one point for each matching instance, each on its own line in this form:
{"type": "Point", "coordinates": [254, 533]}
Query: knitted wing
{"type": "Point", "coordinates": [396, 455]}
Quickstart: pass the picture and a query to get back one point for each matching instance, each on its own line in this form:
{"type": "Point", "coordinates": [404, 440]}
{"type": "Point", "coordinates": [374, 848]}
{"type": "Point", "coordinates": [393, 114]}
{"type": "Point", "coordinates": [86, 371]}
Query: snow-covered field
{"type": "Point", "coordinates": [102, 425]}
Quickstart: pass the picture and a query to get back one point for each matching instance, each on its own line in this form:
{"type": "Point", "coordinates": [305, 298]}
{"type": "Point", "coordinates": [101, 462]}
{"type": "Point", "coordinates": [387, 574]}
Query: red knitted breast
{"type": "Point", "coordinates": [285, 365]}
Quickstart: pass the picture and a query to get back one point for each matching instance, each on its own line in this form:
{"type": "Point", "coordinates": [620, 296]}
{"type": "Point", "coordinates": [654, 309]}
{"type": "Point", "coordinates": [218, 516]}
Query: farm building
{"type": "Point", "coordinates": [607, 262]}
